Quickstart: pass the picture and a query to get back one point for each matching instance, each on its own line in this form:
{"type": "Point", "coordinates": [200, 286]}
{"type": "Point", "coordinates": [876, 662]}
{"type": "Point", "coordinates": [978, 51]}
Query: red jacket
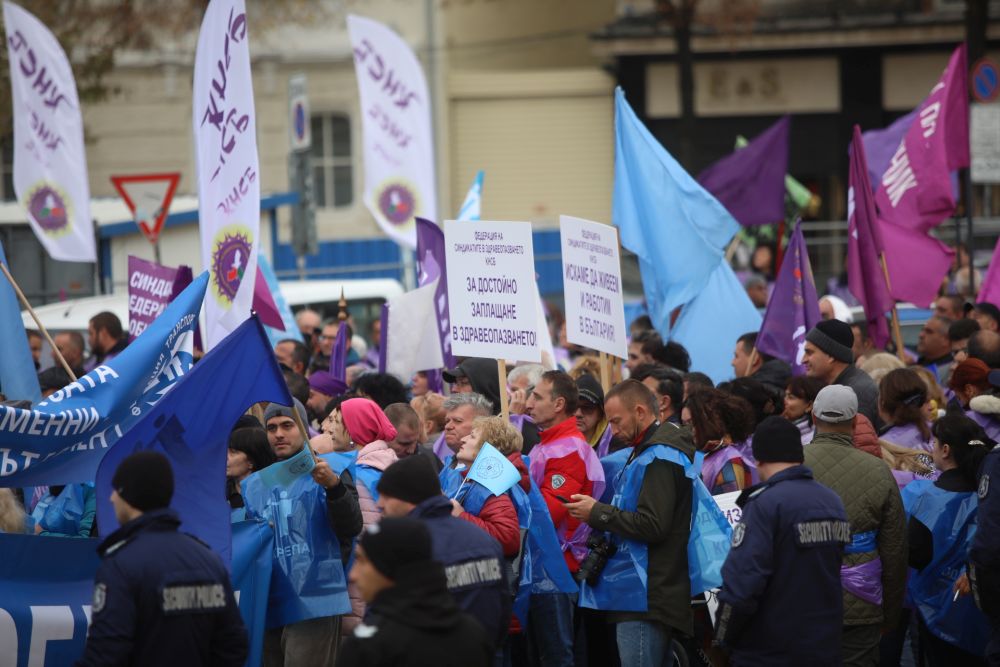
{"type": "Point", "coordinates": [499, 518]}
{"type": "Point", "coordinates": [564, 477]}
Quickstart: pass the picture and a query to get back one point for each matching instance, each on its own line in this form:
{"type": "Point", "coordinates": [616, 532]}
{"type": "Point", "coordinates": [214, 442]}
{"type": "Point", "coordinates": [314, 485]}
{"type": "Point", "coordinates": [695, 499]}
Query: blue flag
{"type": "Point", "coordinates": [493, 470]}
{"type": "Point", "coordinates": [62, 440]}
{"type": "Point", "coordinates": [291, 327]}
{"type": "Point", "coordinates": [18, 377]}
{"type": "Point", "coordinates": [793, 308]}
{"type": "Point", "coordinates": [676, 228]}
{"type": "Point", "coordinates": [283, 473]}
{"type": "Point", "coordinates": [253, 544]}
{"type": "Point", "coordinates": [191, 427]}
{"type": "Point", "coordinates": [709, 325]}
{"type": "Point", "coordinates": [472, 207]}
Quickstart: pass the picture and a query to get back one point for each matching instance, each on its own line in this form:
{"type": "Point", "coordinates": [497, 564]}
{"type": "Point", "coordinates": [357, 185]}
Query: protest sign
{"type": "Point", "coordinates": [397, 142]}
{"type": "Point", "coordinates": [491, 292]}
{"type": "Point", "coordinates": [225, 130]}
{"type": "Point", "coordinates": [50, 163]}
{"type": "Point", "coordinates": [48, 590]}
{"type": "Point", "coordinates": [592, 283]}
{"type": "Point", "coordinates": [63, 439]}
{"type": "Point", "coordinates": [727, 503]}
{"type": "Point", "coordinates": [150, 286]}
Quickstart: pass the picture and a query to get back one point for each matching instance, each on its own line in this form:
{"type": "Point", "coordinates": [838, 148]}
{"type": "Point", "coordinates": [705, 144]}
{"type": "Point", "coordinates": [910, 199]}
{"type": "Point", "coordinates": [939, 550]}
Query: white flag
{"type": "Point", "coordinates": [412, 342]}
{"type": "Point", "coordinates": [225, 146]}
{"type": "Point", "coordinates": [396, 123]}
{"type": "Point", "coordinates": [50, 164]}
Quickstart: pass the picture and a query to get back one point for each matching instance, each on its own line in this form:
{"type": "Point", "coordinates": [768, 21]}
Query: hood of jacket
{"type": "Point", "coordinates": [419, 599]}
{"type": "Point", "coordinates": [515, 458]}
{"type": "Point", "coordinates": [482, 374]}
{"type": "Point", "coordinates": [866, 437]}
{"type": "Point", "coordinates": [377, 454]}
{"type": "Point", "coordinates": [986, 404]}
{"type": "Point", "coordinates": [679, 437]}
{"type": "Point", "coordinates": [775, 374]}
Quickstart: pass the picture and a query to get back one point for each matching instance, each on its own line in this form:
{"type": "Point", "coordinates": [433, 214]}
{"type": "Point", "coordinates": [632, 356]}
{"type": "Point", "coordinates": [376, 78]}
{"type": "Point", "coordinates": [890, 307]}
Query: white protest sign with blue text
{"type": "Point", "coordinates": [491, 290]}
{"type": "Point", "coordinates": [592, 283]}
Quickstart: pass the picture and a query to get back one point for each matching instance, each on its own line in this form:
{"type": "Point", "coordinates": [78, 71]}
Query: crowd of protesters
{"type": "Point", "coordinates": [861, 483]}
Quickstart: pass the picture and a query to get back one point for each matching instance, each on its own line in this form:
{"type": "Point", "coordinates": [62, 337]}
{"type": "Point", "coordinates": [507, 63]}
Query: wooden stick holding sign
{"type": "Point", "coordinates": [502, 377]}
{"type": "Point", "coordinates": [34, 316]}
{"type": "Point", "coordinates": [605, 372]}
{"type": "Point", "coordinates": [750, 362]}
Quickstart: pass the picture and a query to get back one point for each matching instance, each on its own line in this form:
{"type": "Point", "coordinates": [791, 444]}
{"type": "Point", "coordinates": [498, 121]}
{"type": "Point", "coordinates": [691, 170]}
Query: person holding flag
{"type": "Point", "coordinates": [315, 515]}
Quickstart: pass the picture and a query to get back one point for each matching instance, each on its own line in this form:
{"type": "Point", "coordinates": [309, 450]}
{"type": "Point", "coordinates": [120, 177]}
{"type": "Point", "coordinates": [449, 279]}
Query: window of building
{"type": "Point", "coordinates": [330, 160]}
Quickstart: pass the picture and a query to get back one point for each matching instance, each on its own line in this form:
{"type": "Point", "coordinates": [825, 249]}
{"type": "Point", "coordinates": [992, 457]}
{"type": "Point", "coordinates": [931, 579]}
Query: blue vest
{"type": "Point", "coordinates": [542, 566]}
{"type": "Point", "coordinates": [951, 518]}
{"type": "Point", "coordinates": [450, 478]}
{"type": "Point", "coordinates": [368, 476]}
{"type": "Point", "coordinates": [307, 580]}
{"type": "Point", "coordinates": [613, 464]}
{"type": "Point", "coordinates": [623, 583]}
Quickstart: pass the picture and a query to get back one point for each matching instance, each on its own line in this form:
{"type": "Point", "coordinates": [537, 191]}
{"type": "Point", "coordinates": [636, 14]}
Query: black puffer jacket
{"type": "Point", "coordinates": [416, 623]}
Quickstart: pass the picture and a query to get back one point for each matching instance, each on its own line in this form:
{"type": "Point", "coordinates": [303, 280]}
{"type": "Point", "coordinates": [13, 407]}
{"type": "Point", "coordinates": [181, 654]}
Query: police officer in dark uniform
{"type": "Point", "coordinates": [161, 597]}
{"type": "Point", "coordinates": [781, 601]}
{"type": "Point", "coordinates": [984, 556]}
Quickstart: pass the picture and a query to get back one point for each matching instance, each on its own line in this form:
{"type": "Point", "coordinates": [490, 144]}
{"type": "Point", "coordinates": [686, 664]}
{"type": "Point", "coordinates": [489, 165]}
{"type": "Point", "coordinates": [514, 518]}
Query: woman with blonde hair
{"type": "Point", "coordinates": [880, 363]}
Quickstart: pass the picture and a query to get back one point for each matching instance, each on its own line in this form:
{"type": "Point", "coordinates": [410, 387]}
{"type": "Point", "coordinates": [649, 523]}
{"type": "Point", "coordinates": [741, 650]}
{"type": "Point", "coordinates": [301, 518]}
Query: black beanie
{"type": "Point", "coordinates": [412, 480]}
{"type": "Point", "coordinates": [835, 338]}
{"type": "Point", "coordinates": [590, 390]}
{"type": "Point", "coordinates": [145, 481]}
{"type": "Point", "coordinates": [393, 544]}
{"type": "Point", "coordinates": [777, 440]}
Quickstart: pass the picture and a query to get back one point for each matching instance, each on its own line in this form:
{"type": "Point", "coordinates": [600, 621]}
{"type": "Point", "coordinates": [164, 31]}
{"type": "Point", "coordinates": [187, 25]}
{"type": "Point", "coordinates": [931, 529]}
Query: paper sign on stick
{"type": "Point", "coordinates": [592, 282]}
{"type": "Point", "coordinates": [491, 293]}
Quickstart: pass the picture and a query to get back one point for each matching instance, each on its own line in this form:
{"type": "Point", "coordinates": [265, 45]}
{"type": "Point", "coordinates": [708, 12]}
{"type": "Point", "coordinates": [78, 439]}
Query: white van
{"type": "Point", "coordinates": [364, 302]}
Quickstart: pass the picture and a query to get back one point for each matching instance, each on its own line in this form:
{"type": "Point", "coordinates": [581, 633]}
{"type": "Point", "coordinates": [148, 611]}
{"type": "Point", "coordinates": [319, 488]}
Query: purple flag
{"type": "Point", "coordinates": [916, 189]}
{"type": "Point", "coordinates": [793, 308]}
{"type": "Point", "coordinates": [185, 276]}
{"type": "Point", "coordinates": [150, 291]}
{"type": "Point", "coordinates": [264, 305]}
{"type": "Point", "coordinates": [917, 263]}
{"type": "Point", "coordinates": [990, 289]}
{"type": "Point", "coordinates": [864, 245]}
{"type": "Point", "coordinates": [750, 182]}
{"type": "Point", "coordinates": [431, 265]}
{"type": "Point", "coordinates": [338, 355]}
{"type": "Point", "coordinates": [881, 145]}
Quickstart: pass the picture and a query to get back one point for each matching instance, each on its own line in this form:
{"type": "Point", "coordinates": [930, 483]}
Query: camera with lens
{"type": "Point", "coordinates": [601, 549]}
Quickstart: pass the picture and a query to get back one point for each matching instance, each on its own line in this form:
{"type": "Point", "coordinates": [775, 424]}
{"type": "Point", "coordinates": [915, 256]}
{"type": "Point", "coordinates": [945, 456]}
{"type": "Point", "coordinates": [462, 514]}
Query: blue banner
{"type": "Point", "coordinates": [18, 378]}
{"type": "Point", "coordinates": [191, 427]}
{"type": "Point", "coordinates": [63, 439]}
{"type": "Point", "coordinates": [47, 586]}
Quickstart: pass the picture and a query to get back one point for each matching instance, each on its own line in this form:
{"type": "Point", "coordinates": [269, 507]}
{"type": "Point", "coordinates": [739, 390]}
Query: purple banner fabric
{"type": "Point", "coordinates": [990, 290]}
{"type": "Point", "coordinates": [264, 305]}
{"type": "Point", "coordinates": [750, 182]}
{"type": "Point", "coordinates": [793, 308]}
{"type": "Point", "coordinates": [150, 290]}
{"type": "Point", "coordinates": [338, 356]}
{"type": "Point", "coordinates": [916, 191]}
{"type": "Point", "coordinates": [185, 276]}
{"type": "Point", "coordinates": [383, 343]}
{"type": "Point", "coordinates": [431, 265]}
{"type": "Point", "coordinates": [881, 145]}
{"type": "Point", "coordinates": [864, 245]}
{"type": "Point", "coordinates": [917, 263]}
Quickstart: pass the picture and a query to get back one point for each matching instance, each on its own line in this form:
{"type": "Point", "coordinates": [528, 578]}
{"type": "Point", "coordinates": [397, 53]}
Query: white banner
{"type": "Point", "coordinates": [50, 164]}
{"type": "Point", "coordinates": [592, 284]}
{"type": "Point", "coordinates": [492, 297]}
{"type": "Point", "coordinates": [412, 342]}
{"type": "Point", "coordinates": [225, 146]}
{"type": "Point", "coordinates": [396, 123]}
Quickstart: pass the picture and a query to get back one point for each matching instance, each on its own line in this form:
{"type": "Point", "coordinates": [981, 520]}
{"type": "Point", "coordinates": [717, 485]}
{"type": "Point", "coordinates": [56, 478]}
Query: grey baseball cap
{"type": "Point", "coordinates": [835, 404]}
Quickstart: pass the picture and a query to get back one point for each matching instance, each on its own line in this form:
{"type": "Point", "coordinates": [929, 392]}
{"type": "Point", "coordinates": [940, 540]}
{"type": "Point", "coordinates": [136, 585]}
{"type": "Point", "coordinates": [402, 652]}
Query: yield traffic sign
{"type": "Point", "coordinates": [148, 196]}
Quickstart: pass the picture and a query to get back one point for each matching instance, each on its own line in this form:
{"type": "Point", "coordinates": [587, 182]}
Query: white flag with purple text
{"type": "Point", "coordinates": [50, 164]}
{"type": "Point", "coordinates": [225, 146]}
{"type": "Point", "coordinates": [396, 123]}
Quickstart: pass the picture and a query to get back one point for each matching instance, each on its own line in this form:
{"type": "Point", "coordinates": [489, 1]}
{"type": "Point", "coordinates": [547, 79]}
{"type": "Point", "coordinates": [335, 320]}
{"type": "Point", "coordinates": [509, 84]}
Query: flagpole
{"type": "Point", "coordinates": [34, 316]}
{"type": "Point", "coordinates": [896, 333]}
{"type": "Point", "coordinates": [297, 418]}
{"type": "Point", "coordinates": [502, 378]}
{"type": "Point", "coordinates": [751, 362]}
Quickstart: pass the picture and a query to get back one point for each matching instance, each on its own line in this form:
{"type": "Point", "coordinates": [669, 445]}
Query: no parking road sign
{"type": "Point", "coordinates": [985, 80]}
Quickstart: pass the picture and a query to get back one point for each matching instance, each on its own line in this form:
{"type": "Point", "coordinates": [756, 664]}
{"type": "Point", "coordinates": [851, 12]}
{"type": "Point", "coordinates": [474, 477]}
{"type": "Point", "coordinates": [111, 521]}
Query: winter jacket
{"type": "Point", "coordinates": [865, 389]}
{"type": "Point", "coordinates": [663, 520]}
{"type": "Point", "coordinates": [162, 598]}
{"type": "Point", "coordinates": [378, 455]}
{"type": "Point", "coordinates": [870, 495]}
{"type": "Point", "coordinates": [474, 566]}
{"type": "Point", "coordinates": [985, 411]}
{"type": "Point", "coordinates": [774, 375]}
{"type": "Point", "coordinates": [865, 436]}
{"type": "Point", "coordinates": [909, 436]}
{"type": "Point", "coordinates": [416, 623]}
{"type": "Point", "coordinates": [499, 519]}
